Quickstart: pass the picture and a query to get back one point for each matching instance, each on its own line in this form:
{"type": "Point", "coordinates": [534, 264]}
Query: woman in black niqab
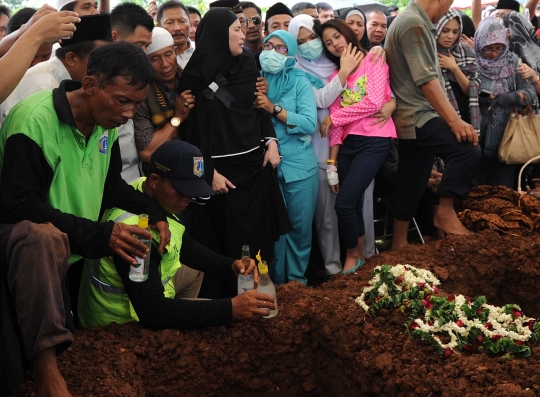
{"type": "Point", "coordinates": [234, 138]}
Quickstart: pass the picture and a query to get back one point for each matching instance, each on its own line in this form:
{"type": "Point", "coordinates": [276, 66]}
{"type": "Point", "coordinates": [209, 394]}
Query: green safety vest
{"type": "Point", "coordinates": [102, 296]}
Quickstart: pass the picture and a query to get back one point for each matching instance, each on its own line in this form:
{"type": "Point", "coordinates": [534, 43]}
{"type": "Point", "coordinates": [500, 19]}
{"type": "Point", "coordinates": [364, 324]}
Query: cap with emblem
{"type": "Point", "coordinates": [161, 38]}
{"type": "Point", "coordinates": [91, 27]}
{"type": "Point", "coordinates": [183, 164]}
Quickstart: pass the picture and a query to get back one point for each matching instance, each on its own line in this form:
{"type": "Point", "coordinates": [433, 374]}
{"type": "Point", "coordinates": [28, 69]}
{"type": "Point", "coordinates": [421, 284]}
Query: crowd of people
{"type": "Point", "coordinates": [231, 128]}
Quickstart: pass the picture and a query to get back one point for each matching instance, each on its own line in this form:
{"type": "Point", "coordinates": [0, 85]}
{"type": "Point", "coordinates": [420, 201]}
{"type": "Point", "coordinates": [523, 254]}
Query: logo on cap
{"type": "Point", "coordinates": [104, 142]}
{"type": "Point", "coordinates": [198, 166]}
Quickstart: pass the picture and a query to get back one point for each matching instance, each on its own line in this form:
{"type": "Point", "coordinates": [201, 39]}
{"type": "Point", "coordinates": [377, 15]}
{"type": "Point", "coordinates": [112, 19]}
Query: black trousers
{"type": "Point", "coordinates": [416, 157]}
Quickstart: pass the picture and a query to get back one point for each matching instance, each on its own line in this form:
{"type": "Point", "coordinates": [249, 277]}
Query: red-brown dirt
{"type": "Point", "coordinates": [321, 343]}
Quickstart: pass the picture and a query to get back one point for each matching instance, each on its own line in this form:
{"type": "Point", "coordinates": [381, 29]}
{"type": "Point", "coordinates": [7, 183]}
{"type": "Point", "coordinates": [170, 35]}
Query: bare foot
{"type": "Point", "coordinates": [399, 240]}
{"type": "Point", "coordinates": [450, 224]}
{"type": "Point", "coordinates": [398, 243]}
{"type": "Point", "coordinates": [49, 380]}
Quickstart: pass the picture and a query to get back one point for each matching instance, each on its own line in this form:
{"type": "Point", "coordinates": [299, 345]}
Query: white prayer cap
{"type": "Point", "coordinates": [161, 38]}
{"type": "Point", "coordinates": [62, 3]}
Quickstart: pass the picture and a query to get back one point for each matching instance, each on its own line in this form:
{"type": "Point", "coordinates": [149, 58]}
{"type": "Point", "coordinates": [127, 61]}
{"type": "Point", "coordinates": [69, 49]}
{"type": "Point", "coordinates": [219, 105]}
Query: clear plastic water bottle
{"type": "Point", "coordinates": [245, 283]}
{"type": "Point", "coordinates": [139, 272]}
{"type": "Point", "coordinates": [266, 286]}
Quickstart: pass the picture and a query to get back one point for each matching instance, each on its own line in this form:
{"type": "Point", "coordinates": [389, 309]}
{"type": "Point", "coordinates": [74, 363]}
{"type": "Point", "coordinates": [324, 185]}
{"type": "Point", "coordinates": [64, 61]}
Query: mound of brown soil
{"type": "Point", "coordinates": [321, 343]}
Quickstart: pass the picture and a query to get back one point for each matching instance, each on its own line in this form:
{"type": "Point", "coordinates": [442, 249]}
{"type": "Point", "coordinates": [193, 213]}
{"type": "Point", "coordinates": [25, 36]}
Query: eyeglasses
{"type": "Point", "coordinates": [498, 15]}
{"type": "Point", "coordinates": [254, 20]}
{"type": "Point", "coordinates": [493, 50]}
{"type": "Point", "coordinates": [280, 48]}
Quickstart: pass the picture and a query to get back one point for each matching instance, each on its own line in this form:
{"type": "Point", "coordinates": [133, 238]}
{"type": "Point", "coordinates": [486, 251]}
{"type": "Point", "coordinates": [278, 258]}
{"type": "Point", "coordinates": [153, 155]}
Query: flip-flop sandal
{"type": "Point", "coordinates": [358, 264]}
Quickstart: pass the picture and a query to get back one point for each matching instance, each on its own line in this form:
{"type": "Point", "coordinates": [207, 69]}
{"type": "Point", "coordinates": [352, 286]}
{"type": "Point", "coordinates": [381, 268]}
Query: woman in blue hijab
{"type": "Point", "coordinates": [291, 104]}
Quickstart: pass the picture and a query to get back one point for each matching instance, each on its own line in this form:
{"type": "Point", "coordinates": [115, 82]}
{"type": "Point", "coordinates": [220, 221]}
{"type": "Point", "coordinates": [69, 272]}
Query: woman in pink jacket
{"type": "Point", "coordinates": [358, 146]}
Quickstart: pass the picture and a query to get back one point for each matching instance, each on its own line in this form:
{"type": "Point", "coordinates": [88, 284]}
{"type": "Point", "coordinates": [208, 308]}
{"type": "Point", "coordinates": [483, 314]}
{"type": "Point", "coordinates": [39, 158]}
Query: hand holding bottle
{"type": "Point", "coordinates": [252, 305]}
{"type": "Point", "coordinates": [123, 243]}
{"type": "Point", "coordinates": [240, 268]}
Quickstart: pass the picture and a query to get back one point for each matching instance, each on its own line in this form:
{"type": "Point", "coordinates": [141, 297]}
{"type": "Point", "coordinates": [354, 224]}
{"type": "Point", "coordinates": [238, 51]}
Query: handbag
{"type": "Point", "coordinates": [521, 138]}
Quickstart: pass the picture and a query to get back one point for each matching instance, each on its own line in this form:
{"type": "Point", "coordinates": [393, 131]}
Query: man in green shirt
{"type": "Point", "coordinates": [426, 123]}
{"type": "Point", "coordinates": [60, 165]}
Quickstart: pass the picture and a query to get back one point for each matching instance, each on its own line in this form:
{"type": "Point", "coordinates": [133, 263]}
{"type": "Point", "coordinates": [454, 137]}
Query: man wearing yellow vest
{"type": "Point", "coordinates": [107, 294]}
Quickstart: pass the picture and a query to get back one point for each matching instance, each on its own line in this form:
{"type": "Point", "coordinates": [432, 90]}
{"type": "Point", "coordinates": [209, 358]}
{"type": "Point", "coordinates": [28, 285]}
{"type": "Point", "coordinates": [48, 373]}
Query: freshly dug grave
{"type": "Point", "coordinates": [321, 343]}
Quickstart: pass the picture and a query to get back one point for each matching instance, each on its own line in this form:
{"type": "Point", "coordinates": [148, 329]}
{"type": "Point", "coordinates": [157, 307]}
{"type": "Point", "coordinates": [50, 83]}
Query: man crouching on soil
{"type": "Point", "coordinates": [61, 162]}
{"type": "Point", "coordinates": [107, 294]}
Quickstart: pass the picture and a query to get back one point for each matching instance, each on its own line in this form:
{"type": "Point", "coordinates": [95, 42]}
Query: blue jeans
{"type": "Point", "coordinates": [359, 159]}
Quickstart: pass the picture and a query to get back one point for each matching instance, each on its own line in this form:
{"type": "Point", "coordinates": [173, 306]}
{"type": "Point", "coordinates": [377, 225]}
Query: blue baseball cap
{"type": "Point", "coordinates": [183, 164]}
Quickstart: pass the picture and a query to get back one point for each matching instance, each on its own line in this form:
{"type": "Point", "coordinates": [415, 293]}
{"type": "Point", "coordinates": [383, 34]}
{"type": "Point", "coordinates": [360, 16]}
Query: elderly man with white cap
{"type": "Point", "coordinates": [157, 120]}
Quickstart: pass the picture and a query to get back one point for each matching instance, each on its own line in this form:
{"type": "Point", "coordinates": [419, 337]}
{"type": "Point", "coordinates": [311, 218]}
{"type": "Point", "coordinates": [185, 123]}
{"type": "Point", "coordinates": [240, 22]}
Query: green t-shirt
{"type": "Point", "coordinates": [411, 52]}
{"type": "Point", "coordinates": [79, 168]}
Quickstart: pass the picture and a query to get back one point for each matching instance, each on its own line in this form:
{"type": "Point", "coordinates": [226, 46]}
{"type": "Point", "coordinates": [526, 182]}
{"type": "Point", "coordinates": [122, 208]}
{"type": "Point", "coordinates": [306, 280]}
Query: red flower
{"type": "Point", "coordinates": [488, 325]}
{"type": "Point", "coordinates": [516, 313]}
{"type": "Point", "coordinates": [427, 304]}
{"type": "Point", "coordinates": [405, 267]}
{"type": "Point", "coordinates": [413, 325]}
{"type": "Point", "coordinates": [399, 280]}
{"type": "Point", "coordinates": [407, 303]}
{"type": "Point", "coordinates": [531, 325]}
{"type": "Point", "coordinates": [377, 299]}
{"type": "Point", "coordinates": [435, 290]}
{"type": "Point", "coordinates": [450, 298]}
{"type": "Point", "coordinates": [479, 311]}
{"type": "Point", "coordinates": [495, 338]}
{"type": "Point", "coordinates": [467, 347]}
{"type": "Point", "coordinates": [421, 285]}
{"type": "Point", "coordinates": [468, 299]}
{"type": "Point", "coordinates": [518, 342]}
{"type": "Point", "coordinates": [480, 338]}
{"type": "Point", "coordinates": [459, 323]}
{"type": "Point", "coordinates": [447, 352]}
{"type": "Point", "coordinates": [403, 289]}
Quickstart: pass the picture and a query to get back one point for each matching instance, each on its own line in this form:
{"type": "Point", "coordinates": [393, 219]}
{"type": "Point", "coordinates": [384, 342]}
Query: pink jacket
{"type": "Point", "coordinates": [368, 88]}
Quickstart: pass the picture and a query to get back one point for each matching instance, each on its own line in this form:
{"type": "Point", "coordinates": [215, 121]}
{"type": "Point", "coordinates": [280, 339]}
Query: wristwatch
{"type": "Point", "coordinates": [277, 109]}
{"type": "Point", "coordinates": [175, 121]}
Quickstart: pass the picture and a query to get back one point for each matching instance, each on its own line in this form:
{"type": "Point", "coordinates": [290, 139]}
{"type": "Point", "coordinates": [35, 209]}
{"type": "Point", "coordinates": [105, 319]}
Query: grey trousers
{"type": "Point", "coordinates": [367, 210]}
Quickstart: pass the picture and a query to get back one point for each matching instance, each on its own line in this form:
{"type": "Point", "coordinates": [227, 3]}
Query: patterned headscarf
{"type": "Point", "coordinates": [524, 39]}
{"type": "Point", "coordinates": [490, 31]}
{"type": "Point", "coordinates": [466, 61]}
{"type": "Point", "coordinates": [501, 69]}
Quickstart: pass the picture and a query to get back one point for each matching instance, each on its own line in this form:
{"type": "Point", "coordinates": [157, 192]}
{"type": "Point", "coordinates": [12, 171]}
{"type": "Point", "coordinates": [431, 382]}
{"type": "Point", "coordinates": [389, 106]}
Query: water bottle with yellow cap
{"type": "Point", "coordinates": [266, 286]}
{"type": "Point", "coordinates": [139, 272]}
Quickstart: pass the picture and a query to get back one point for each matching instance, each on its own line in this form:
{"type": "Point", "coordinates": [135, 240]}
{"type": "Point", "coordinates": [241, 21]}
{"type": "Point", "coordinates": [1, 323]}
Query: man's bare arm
{"type": "Point", "coordinates": [435, 95]}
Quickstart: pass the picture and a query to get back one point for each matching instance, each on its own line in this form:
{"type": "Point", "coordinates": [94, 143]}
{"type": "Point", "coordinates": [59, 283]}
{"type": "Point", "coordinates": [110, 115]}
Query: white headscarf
{"type": "Point", "coordinates": [320, 67]}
